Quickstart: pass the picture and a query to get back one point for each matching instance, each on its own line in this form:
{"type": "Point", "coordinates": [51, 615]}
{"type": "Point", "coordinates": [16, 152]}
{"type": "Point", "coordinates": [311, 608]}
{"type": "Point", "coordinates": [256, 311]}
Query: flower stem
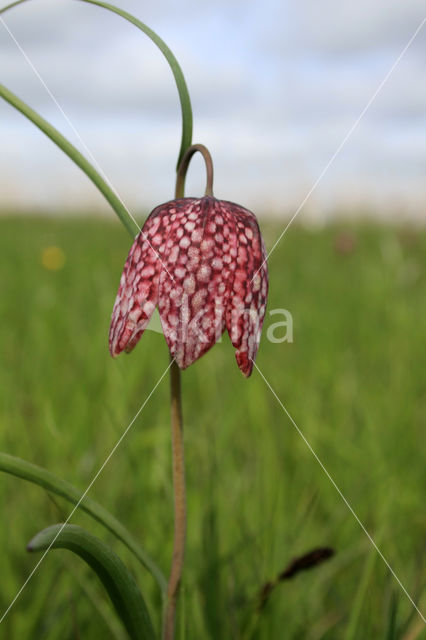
{"type": "Point", "coordinates": [179, 503]}
{"type": "Point", "coordinates": [183, 168]}
{"type": "Point", "coordinates": [177, 430]}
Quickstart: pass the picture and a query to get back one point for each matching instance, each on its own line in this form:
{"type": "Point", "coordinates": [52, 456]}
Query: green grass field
{"type": "Point", "coordinates": [353, 380]}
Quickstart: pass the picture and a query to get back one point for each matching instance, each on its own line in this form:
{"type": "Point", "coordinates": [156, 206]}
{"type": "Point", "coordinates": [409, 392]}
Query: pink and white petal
{"type": "Point", "coordinates": [137, 295]}
{"type": "Point", "coordinates": [181, 294]}
{"type": "Point", "coordinates": [217, 270]}
{"type": "Point", "coordinates": [197, 281]}
{"type": "Point", "coordinates": [246, 311]}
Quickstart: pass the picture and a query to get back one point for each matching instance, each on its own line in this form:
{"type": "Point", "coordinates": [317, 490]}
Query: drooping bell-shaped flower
{"type": "Point", "coordinates": [203, 263]}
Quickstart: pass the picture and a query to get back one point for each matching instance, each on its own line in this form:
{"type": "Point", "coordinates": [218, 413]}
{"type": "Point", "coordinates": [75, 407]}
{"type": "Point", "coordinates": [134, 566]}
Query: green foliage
{"type": "Point", "coordinates": [352, 380]}
{"type": "Point", "coordinates": [71, 151]}
{"type": "Point", "coordinates": [185, 102]}
{"type": "Point", "coordinates": [115, 577]}
{"type": "Point", "coordinates": [58, 486]}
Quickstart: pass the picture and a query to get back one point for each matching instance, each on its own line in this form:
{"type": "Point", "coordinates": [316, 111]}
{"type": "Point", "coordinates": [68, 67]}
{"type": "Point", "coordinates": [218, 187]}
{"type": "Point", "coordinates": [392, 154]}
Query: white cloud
{"type": "Point", "coordinates": [344, 27]}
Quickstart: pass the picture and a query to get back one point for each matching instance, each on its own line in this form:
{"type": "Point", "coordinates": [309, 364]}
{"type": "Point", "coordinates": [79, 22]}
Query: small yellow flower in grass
{"type": "Point", "coordinates": [53, 258]}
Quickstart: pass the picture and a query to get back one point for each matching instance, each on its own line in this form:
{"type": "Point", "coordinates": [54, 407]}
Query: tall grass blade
{"type": "Point", "coordinates": [354, 625]}
{"type": "Point", "coordinates": [391, 630]}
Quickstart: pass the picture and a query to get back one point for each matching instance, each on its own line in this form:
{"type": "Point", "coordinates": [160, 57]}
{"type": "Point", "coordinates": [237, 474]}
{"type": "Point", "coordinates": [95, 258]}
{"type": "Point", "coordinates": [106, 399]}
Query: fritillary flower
{"type": "Point", "coordinates": [203, 263]}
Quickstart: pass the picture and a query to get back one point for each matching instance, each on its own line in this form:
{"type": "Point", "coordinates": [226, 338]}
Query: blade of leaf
{"type": "Point", "coordinates": [73, 153]}
{"type": "Point", "coordinates": [11, 5]}
{"type": "Point", "coordinates": [182, 88]}
{"type": "Point", "coordinates": [391, 632]}
{"type": "Point", "coordinates": [48, 481]}
{"type": "Point", "coordinates": [185, 101]}
{"type": "Point", "coordinates": [114, 575]}
{"type": "Point", "coordinates": [353, 624]}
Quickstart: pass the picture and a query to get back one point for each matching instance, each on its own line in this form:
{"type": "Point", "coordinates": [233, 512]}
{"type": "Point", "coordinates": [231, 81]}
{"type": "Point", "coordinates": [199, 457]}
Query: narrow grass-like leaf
{"type": "Point", "coordinates": [115, 577]}
{"type": "Point", "coordinates": [184, 98]}
{"type": "Point", "coordinates": [185, 101]}
{"type": "Point", "coordinates": [73, 153]}
{"type": "Point", "coordinates": [391, 632]}
{"type": "Point", "coordinates": [360, 599]}
{"type": "Point", "coordinates": [48, 481]}
{"type": "Point", "coordinates": [11, 5]}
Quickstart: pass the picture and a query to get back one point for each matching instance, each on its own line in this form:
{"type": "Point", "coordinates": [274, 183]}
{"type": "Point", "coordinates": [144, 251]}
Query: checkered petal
{"type": "Point", "coordinates": [137, 295]}
{"type": "Point", "coordinates": [195, 287]}
{"type": "Point", "coordinates": [202, 261]}
{"type": "Point", "coordinates": [246, 311]}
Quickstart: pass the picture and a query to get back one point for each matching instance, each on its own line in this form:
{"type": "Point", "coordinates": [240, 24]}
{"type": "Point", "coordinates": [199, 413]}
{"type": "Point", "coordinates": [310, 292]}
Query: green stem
{"type": "Point", "coordinates": [179, 502]}
{"type": "Point", "coordinates": [185, 101]}
{"type": "Point", "coordinates": [177, 432]}
{"type": "Point", "coordinates": [11, 5]}
{"type": "Point", "coordinates": [184, 98]}
{"type": "Point", "coordinates": [73, 153]}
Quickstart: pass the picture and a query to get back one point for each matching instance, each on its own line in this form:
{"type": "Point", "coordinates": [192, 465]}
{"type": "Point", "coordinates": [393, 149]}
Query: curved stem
{"type": "Point", "coordinates": [185, 101]}
{"type": "Point", "coordinates": [52, 484]}
{"type": "Point", "coordinates": [75, 155]}
{"type": "Point", "coordinates": [179, 502]}
{"type": "Point", "coordinates": [11, 5]}
{"type": "Point", "coordinates": [183, 168]}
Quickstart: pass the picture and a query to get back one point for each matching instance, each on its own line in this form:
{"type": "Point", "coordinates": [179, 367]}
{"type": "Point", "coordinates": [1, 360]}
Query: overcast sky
{"type": "Point", "coordinates": [275, 86]}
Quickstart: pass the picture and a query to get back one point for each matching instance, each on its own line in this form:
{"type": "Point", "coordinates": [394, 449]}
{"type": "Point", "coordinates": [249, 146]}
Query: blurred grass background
{"type": "Point", "coordinates": [353, 380]}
